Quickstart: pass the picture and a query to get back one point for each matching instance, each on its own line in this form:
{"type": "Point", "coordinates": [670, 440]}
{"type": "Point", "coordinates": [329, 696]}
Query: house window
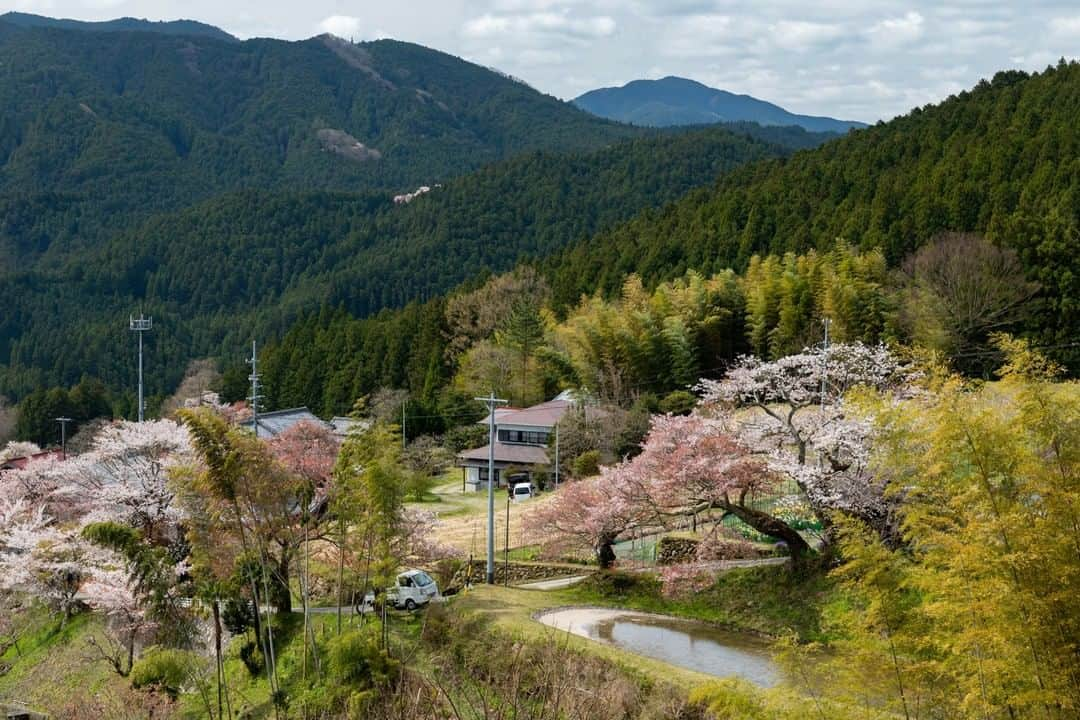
{"type": "Point", "coordinates": [484, 475]}
{"type": "Point", "coordinates": [527, 437]}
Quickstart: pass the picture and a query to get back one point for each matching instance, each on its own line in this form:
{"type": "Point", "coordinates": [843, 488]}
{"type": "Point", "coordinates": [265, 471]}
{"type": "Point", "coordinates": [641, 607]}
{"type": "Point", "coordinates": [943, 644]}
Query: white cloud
{"type": "Point", "coordinates": [800, 35]}
{"type": "Point", "coordinates": [1066, 27]}
{"type": "Point", "coordinates": [539, 23]}
{"type": "Point", "coordinates": [897, 30]}
{"type": "Point", "coordinates": [348, 27]}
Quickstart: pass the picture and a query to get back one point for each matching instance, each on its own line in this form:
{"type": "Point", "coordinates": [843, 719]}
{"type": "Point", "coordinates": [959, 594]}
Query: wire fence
{"type": "Point", "coordinates": [786, 501]}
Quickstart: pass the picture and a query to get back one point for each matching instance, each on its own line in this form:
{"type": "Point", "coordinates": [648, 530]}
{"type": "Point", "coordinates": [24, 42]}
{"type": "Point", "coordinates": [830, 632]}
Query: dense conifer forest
{"type": "Point", "coordinates": [830, 232]}
{"type": "Point", "coordinates": [1002, 159]}
{"type": "Point", "coordinates": [219, 186]}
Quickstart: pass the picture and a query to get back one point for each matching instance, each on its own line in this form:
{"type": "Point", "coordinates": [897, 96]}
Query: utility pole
{"type": "Point", "coordinates": [556, 456]}
{"type": "Point", "coordinates": [403, 423]}
{"type": "Point", "coordinates": [825, 362]}
{"type": "Point", "coordinates": [255, 396]}
{"type": "Point", "coordinates": [492, 402]}
{"type": "Point", "coordinates": [506, 546]}
{"type": "Point", "coordinates": [63, 436]}
{"type": "Point", "coordinates": [140, 325]}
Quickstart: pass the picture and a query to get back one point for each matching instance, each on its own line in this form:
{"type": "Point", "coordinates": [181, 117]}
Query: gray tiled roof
{"type": "Point", "coordinates": [343, 425]}
{"type": "Point", "coordinates": [272, 424]}
{"type": "Point", "coordinates": [507, 453]}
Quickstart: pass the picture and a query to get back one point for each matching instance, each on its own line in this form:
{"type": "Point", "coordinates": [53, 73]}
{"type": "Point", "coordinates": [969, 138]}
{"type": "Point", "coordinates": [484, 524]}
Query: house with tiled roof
{"type": "Point", "coordinates": [272, 424]}
{"type": "Point", "coordinates": [524, 439]}
{"type": "Point", "coordinates": [18, 463]}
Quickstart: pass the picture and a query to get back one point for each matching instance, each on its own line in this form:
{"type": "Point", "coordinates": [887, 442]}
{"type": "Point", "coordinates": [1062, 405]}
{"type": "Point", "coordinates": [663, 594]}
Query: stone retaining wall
{"type": "Point", "coordinates": [518, 572]}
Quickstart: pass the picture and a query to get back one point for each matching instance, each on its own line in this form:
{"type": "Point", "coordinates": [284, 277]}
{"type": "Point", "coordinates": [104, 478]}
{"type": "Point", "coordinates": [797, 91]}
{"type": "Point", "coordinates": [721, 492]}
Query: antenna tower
{"type": "Point", "coordinates": [140, 325]}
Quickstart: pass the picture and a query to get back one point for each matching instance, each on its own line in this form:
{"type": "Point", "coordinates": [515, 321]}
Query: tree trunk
{"type": "Point", "coordinates": [341, 572]}
{"type": "Point", "coordinates": [217, 654]}
{"type": "Point", "coordinates": [605, 554]}
{"type": "Point", "coordinates": [771, 526]}
{"type": "Point", "coordinates": [280, 593]}
{"type": "Point", "coordinates": [131, 654]}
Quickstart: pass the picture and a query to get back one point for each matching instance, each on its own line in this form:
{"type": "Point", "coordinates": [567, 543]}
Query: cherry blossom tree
{"type": "Point", "coordinates": [418, 538]}
{"type": "Point", "coordinates": [691, 464]}
{"type": "Point", "coordinates": [18, 449]}
{"type": "Point", "coordinates": [123, 477]}
{"type": "Point", "coordinates": [688, 465]}
{"type": "Point", "coordinates": [291, 511]}
{"type": "Point", "coordinates": [792, 412]}
{"type": "Point", "coordinates": [587, 515]}
{"type": "Point", "coordinates": [108, 591]}
{"type": "Point", "coordinates": [44, 507]}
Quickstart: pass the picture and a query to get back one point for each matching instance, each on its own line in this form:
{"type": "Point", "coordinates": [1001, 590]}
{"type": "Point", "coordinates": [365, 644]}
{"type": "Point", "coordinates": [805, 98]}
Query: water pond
{"type": "Point", "coordinates": [685, 643]}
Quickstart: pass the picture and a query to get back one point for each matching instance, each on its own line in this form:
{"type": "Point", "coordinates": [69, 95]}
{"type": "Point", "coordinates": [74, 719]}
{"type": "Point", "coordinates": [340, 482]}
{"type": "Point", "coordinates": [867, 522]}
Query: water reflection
{"type": "Point", "coordinates": [680, 642]}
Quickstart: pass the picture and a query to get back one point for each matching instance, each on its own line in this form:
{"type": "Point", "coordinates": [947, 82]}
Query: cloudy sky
{"type": "Point", "coordinates": [846, 58]}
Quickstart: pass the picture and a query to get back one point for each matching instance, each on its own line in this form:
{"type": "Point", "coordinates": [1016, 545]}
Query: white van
{"type": "Point", "coordinates": [522, 491]}
{"type": "Point", "coordinates": [414, 588]}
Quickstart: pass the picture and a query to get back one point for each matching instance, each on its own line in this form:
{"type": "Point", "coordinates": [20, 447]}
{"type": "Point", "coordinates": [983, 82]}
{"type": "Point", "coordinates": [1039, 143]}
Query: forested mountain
{"type": "Point", "coordinates": [678, 101]}
{"type": "Point", "coordinates": [1002, 159]}
{"type": "Point", "coordinates": [100, 129]}
{"type": "Point", "coordinates": [127, 24]}
{"type": "Point", "coordinates": [248, 263]}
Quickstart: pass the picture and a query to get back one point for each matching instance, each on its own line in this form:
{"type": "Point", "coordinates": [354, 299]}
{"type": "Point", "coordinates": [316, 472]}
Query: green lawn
{"type": "Point", "coordinates": [769, 600]}
{"type": "Point", "coordinates": [512, 610]}
{"type": "Point", "coordinates": [51, 667]}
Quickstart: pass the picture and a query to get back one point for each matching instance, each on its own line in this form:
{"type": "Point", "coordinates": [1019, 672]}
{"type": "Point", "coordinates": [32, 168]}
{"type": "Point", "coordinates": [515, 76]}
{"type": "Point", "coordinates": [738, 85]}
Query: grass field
{"type": "Point", "coordinates": [463, 515]}
{"type": "Point", "coordinates": [512, 610]}
{"type": "Point", "coordinates": [54, 668]}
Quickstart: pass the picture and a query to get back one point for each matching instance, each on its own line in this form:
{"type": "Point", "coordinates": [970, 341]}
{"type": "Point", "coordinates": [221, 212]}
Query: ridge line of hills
{"type": "Point", "coordinates": [678, 101]}
{"type": "Point", "coordinates": [124, 24]}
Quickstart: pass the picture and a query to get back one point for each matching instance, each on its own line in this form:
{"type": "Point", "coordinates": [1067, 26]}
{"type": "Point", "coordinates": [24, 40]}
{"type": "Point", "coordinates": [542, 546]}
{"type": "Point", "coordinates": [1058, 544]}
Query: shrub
{"type": "Point", "coordinates": [587, 464]}
{"type": "Point", "coordinates": [252, 657]}
{"type": "Point", "coordinates": [679, 402]}
{"type": "Point", "coordinates": [357, 661]}
{"type": "Point", "coordinates": [731, 699]}
{"type": "Point", "coordinates": [163, 668]}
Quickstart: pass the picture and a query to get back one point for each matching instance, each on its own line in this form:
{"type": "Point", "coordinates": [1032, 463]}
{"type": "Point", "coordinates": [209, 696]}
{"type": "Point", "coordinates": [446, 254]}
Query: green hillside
{"type": "Point", "coordinates": [1002, 159]}
{"type": "Point", "coordinates": [126, 24]}
{"type": "Point", "coordinates": [100, 129]}
{"type": "Point", "coordinates": [248, 263]}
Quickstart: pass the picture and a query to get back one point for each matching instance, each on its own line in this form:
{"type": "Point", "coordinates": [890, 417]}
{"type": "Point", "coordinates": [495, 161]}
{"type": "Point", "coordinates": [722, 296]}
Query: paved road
{"type": "Point", "coordinates": [556, 584]}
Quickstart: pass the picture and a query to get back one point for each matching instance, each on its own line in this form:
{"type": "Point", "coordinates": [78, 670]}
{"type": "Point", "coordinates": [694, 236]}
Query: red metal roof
{"type": "Point", "coordinates": [543, 415]}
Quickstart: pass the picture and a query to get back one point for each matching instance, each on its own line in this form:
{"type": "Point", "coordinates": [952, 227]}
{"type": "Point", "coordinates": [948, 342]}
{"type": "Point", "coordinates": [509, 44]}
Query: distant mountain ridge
{"type": "Point", "coordinates": [678, 101]}
{"type": "Point", "coordinates": [154, 121]}
{"type": "Point", "coordinates": [124, 24]}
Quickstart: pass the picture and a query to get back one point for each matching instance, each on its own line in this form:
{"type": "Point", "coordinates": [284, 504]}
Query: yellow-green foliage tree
{"type": "Point", "coordinates": [657, 340]}
{"type": "Point", "coordinates": [786, 298]}
{"type": "Point", "coordinates": [369, 491]}
{"type": "Point", "coordinates": [978, 616]}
